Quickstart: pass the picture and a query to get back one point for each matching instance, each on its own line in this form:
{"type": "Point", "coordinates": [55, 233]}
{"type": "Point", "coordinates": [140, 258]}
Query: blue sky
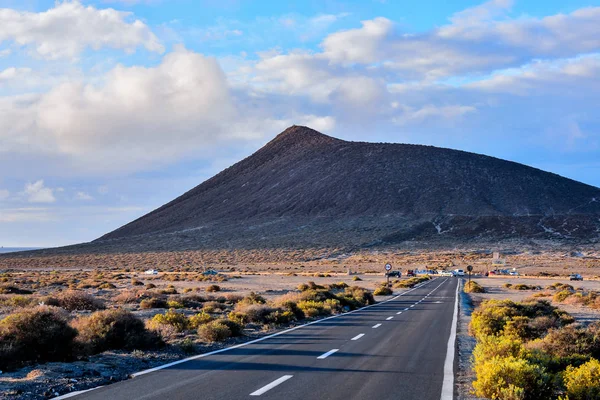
{"type": "Point", "coordinates": [110, 108]}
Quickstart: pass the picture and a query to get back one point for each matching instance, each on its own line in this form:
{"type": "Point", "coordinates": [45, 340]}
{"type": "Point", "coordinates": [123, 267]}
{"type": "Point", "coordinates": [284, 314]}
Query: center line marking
{"type": "Point", "coordinates": [388, 318]}
{"type": "Point", "coordinates": [399, 312]}
{"type": "Point", "coordinates": [325, 355]}
{"type": "Point", "coordinates": [271, 385]}
{"type": "Point", "coordinates": [376, 326]}
{"type": "Point", "coordinates": [358, 336]}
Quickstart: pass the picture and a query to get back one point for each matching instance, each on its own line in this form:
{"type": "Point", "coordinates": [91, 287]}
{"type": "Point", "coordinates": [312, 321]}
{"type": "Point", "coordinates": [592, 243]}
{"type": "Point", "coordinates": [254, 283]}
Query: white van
{"type": "Point", "coordinates": [459, 272]}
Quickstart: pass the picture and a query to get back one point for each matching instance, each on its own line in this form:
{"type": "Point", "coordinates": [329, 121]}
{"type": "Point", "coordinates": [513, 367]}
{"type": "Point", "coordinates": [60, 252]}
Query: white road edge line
{"type": "Point", "coordinates": [376, 326]}
{"type": "Point", "coordinates": [448, 383]}
{"type": "Point", "coordinates": [388, 318]}
{"type": "Point", "coordinates": [358, 336]}
{"type": "Point", "coordinates": [237, 346]}
{"type": "Point", "coordinates": [325, 355]}
{"type": "Point", "coordinates": [271, 385]}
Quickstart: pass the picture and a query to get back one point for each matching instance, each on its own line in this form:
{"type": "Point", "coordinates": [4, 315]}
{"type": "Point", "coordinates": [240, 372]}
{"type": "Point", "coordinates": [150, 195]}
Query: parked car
{"type": "Point", "coordinates": [395, 273]}
{"type": "Point", "coordinates": [514, 273]}
{"type": "Point", "coordinates": [447, 273]}
{"type": "Point", "coordinates": [575, 277]}
{"type": "Point", "coordinates": [459, 272]}
{"type": "Point", "coordinates": [410, 272]}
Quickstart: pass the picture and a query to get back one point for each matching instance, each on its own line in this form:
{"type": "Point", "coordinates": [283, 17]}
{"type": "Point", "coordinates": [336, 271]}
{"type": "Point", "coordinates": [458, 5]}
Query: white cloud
{"type": "Point", "coordinates": [4, 194]}
{"type": "Point", "coordinates": [102, 189]}
{"type": "Point", "coordinates": [135, 117]}
{"type": "Point", "coordinates": [13, 73]}
{"type": "Point", "coordinates": [428, 112]}
{"type": "Point", "coordinates": [83, 196]}
{"type": "Point", "coordinates": [25, 214]}
{"type": "Point", "coordinates": [37, 193]}
{"type": "Point", "coordinates": [70, 27]}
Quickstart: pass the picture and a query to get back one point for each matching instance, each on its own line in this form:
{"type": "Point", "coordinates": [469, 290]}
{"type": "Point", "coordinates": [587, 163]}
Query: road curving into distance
{"type": "Point", "coordinates": [393, 350]}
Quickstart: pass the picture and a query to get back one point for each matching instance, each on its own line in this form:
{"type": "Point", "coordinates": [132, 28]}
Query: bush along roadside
{"type": "Point", "coordinates": [533, 350]}
{"type": "Point", "coordinates": [57, 333]}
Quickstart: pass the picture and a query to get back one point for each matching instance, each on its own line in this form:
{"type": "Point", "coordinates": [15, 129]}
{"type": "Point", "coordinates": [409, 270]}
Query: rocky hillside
{"type": "Point", "coordinates": [307, 189]}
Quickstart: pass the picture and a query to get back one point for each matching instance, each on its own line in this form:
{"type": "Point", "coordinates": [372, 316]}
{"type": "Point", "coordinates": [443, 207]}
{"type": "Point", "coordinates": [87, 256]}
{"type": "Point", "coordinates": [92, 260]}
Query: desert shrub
{"type": "Point", "coordinates": [79, 301]}
{"type": "Point", "coordinates": [18, 301]}
{"type": "Point", "coordinates": [253, 298]}
{"type": "Point", "coordinates": [473, 287]}
{"type": "Point", "coordinates": [288, 305]}
{"type": "Point", "coordinates": [562, 295]}
{"type": "Point", "coordinates": [107, 285]}
{"type": "Point", "coordinates": [303, 286]}
{"type": "Point", "coordinates": [489, 347]}
{"type": "Point", "coordinates": [213, 307]}
{"type": "Point", "coordinates": [113, 330]}
{"type": "Point", "coordinates": [511, 378]}
{"type": "Point", "coordinates": [199, 319]}
{"type": "Point", "coordinates": [215, 331]}
{"type": "Point", "coordinates": [126, 297]}
{"type": "Point", "coordinates": [583, 382]}
{"type": "Point", "coordinates": [150, 286]}
{"type": "Point", "coordinates": [153, 302]}
{"type": "Point", "coordinates": [7, 289]}
{"type": "Point", "coordinates": [256, 313]}
{"type": "Point", "coordinates": [172, 318]}
{"type": "Point", "coordinates": [313, 308]}
{"type": "Point", "coordinates": [175, 304]}
{"type": "Point", "coordinates": [235, 328]}
{"type": "Point", "coordinates": [233, 298]}
{"type": "Point", "coordinates": [507, 285]}
{"type": "Point", "coordinates": [37, 334]}
{"type": "Point", "coordinates": [572, 339]}
{"type": "Point", "coordinates": [521, 286]}
{"type": "Point", "coordinates": [493, 315]}
{"type": "Point", "coordinates": [357, 279]}
{"type": "Point", "coordinates": [383, 291]}
{"type": "Point", "coordinates": [337, 286]}
{"type": "Point", "coordinates": [360, 295]}
{"type": "Point", "coordinates": [213, 288]}
{"type": "Point", "coordinates": [135, 282]}
{"type": "Point", "coordinates": [168, 290]}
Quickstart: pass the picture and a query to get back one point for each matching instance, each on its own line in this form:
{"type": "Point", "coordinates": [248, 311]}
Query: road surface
{"type": "Point", "coordinates": [393, 350]}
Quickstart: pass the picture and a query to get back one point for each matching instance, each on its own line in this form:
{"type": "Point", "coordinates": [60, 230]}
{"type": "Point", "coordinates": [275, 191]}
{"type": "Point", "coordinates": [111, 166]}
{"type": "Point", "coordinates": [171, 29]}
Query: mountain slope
{"type": "Point", "coordinates": [306, 188]}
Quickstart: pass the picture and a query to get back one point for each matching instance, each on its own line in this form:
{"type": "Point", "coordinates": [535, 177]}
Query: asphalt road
{"type": "Point", "coordinates": [393, 350]}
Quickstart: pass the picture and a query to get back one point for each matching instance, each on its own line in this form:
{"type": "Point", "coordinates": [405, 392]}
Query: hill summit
{"type": "Point", "coordinates": [305, 188]}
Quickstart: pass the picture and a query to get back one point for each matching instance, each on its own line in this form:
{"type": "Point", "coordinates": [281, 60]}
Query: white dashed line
{"type": "Point", "coordinates": [399, 312]}
{"type": "Point", "coordinates": [271, 385]}
{"type": "Point", "coordinates": [388, 318]}
{"type": "Point", "coordinates": [406, 309]}
{"type": "Point", "coordinates": [325, 355]}
{"type": "Point", "coordinates": [412, 306]}
{"type": "Point", "coordinates": [376, 326]}
{"type": "Point", "coordinates": [358, 336]}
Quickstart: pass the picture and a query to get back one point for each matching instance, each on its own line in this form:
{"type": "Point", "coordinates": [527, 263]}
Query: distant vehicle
{"type": "Point", "coordinates": [575, 277]}
{"type": "Point", "coordinates": [459, 272]}
{"type": "Point", "coordinates": [410, 272]}
{"type": "Point", "coordinates": [394, 273]}
{"type": "Point", "coordinates": [446, 273]}
{"type": "Point", "coordinates": [151, 272]}
{"type": "Point", "coordinates": [210, 272]}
